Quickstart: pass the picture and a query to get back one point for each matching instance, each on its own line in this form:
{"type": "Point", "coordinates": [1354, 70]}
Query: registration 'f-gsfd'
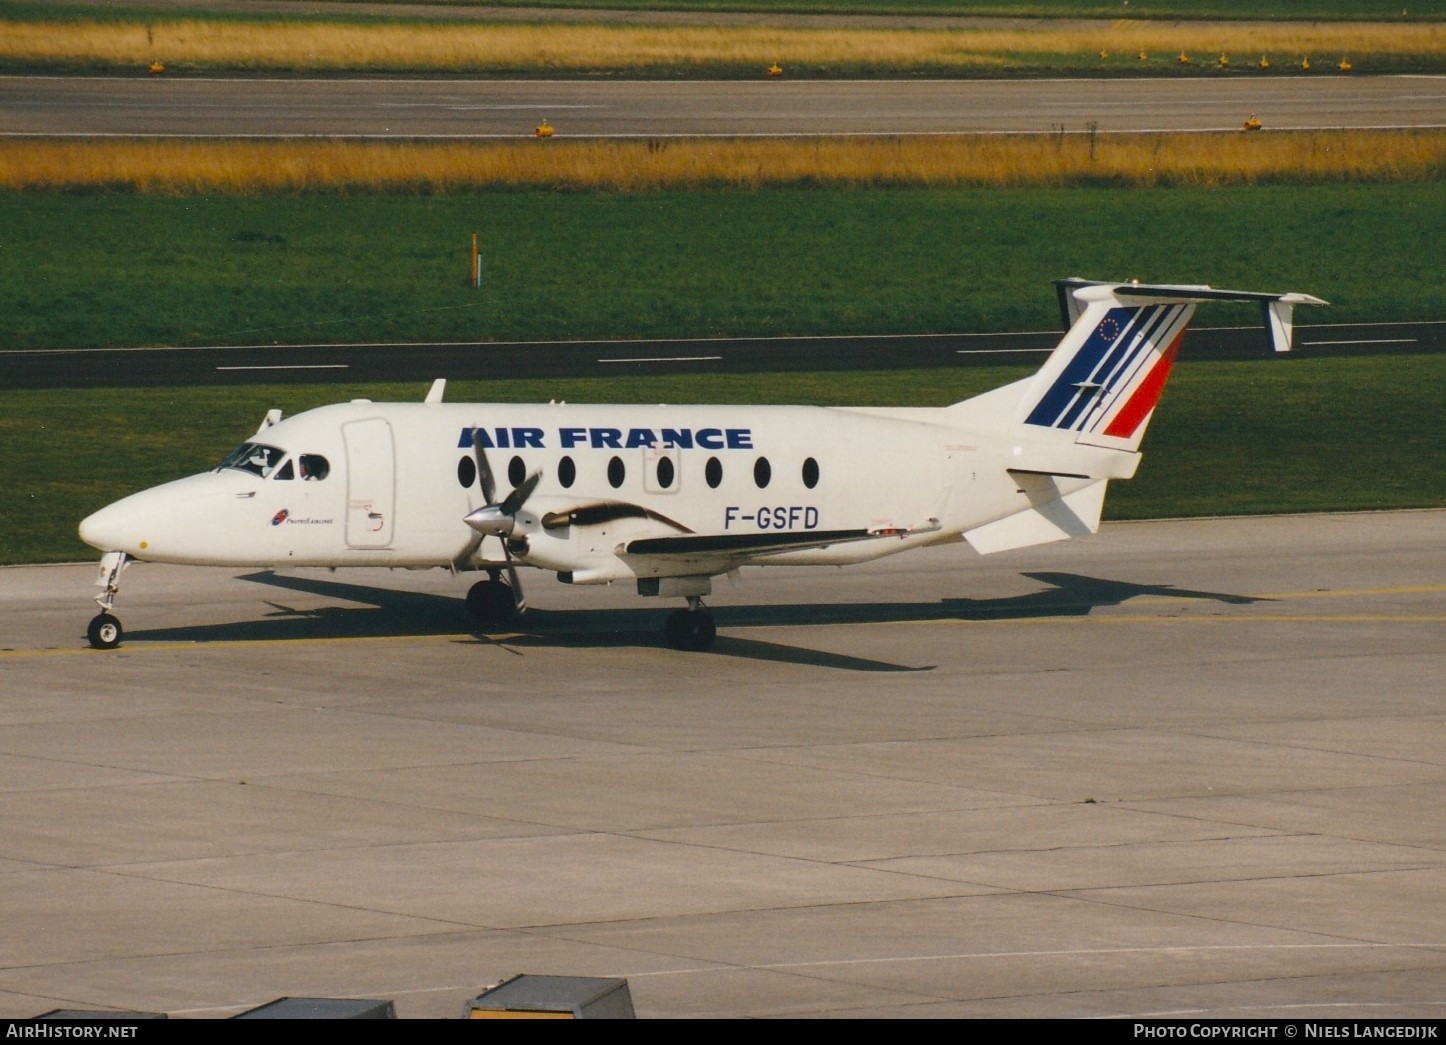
{"type": "Point", "coordinates": [668, 497]}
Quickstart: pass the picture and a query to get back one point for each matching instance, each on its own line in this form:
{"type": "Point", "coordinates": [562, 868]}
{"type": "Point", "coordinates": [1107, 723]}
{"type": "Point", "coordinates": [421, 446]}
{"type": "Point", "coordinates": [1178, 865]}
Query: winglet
{"type": "Point", "coordinates": [1277, 316]}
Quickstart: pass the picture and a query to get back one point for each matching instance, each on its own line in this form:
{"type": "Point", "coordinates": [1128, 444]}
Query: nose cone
{"type": "Point", "coordinates": [133, 523]}
{"type": "Point", "coordinates": [107, 529]}
{"type": "Point", "coordinates": [159, 524]}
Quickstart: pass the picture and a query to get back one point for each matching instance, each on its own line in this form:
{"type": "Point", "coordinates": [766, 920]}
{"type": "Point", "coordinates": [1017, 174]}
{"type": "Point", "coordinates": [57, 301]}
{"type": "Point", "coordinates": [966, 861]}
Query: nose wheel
{"type": "Point", "coordinates": [104, 631]}
{"type": "Point", "coordinates": [691, 629]}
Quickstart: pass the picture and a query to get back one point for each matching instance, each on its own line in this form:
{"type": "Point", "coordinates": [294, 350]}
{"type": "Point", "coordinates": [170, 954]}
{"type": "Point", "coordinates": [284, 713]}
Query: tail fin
{"type": "Point", "coordinates": [1103, 380]}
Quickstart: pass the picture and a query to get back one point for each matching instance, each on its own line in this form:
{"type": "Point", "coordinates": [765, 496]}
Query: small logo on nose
{"type": "Point", "coordinates": [280, 517]}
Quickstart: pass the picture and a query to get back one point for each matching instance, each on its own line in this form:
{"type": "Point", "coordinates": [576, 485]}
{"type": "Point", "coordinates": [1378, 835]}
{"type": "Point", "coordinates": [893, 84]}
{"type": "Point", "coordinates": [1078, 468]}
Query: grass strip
{"type": "Point", "coordinates": [1279, 435]}
{"type": "Point", "coordinates": [1057, 160]}
{"type": "Point", "coordinates": [1118, 48]}
{"type": "Point", "coordinates": [85, 270]}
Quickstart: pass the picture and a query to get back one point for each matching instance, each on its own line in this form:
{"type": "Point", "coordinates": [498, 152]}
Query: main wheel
{"type": "Point", "coordinates": [691, 630]}
{"type": "Point", "coordinates": [104, 632]}
{"type": "Point", "coordinates": [491, 602]}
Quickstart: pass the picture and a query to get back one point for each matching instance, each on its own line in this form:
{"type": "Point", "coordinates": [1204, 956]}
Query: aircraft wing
{"type": "Point", "coordinates": [736, 545]}
{"type": "Point", "coordinates": [733, 544]}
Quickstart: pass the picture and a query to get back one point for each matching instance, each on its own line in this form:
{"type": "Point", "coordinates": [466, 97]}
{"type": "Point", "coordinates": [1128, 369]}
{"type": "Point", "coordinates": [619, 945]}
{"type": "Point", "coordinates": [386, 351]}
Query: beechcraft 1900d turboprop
{"type": "Point", "coordinates": [668, 497]}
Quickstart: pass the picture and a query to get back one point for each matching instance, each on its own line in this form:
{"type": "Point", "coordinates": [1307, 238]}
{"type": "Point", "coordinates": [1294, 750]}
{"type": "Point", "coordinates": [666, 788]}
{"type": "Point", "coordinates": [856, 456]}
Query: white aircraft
{"type": "Point", "coordinates": [668, 497]}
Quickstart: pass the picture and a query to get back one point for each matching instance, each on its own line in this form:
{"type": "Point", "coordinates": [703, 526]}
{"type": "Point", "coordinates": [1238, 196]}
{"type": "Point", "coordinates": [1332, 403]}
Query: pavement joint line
{"type": "Point", "coordinates": [1213, 618]}
{"type": "Point", "coordinates": [1332, 593]}
{"type": "Point", "coordinates": [1062, 953]}
{"type": "Point", "coordinates": [502, 640]}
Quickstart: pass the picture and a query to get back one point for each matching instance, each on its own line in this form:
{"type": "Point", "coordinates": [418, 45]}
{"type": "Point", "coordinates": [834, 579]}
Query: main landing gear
{"type": "Point", "coordinates": [691, 629]}
{"type": "Point", "coordinates": [104, 630]}
{"type": "Point", "coordinates": [492, 602]}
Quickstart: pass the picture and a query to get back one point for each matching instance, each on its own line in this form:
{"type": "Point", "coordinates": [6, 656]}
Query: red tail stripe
{"type": "Point", "coordinates": [1134, 412]}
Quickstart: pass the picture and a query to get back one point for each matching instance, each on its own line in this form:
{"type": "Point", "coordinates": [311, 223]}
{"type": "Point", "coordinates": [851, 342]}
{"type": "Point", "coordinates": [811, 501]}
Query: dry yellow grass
{"type": "Point", "coordinates": [322, 46]}
{"type": "Point", "coordinates": [179, 166]}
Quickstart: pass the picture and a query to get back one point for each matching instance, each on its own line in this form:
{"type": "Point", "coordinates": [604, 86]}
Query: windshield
{"type": "Point", "coordinates": [256, 458]}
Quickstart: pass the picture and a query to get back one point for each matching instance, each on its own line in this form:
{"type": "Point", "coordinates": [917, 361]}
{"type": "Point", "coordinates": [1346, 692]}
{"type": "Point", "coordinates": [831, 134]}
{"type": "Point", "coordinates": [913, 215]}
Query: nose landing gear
{"type": "Point", "coordinates": [104, 630]}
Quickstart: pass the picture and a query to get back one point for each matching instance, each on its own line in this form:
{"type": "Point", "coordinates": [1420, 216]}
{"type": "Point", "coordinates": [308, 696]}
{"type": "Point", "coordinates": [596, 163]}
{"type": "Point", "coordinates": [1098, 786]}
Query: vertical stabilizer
{"type": "Point", "coordinates": [1102, 383]}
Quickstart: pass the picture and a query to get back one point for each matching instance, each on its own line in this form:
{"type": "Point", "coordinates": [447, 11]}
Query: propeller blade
{"type": "Point", "coordinates": [519, 496]}
{"type": "Point", "coordinates": [465, 555]}
{"type": "Point", "coordinates": [517, 598]}
{"type": "Point", "coordinates": [484, 470]}
{"type": "Point", "coordinates": [497, 520]}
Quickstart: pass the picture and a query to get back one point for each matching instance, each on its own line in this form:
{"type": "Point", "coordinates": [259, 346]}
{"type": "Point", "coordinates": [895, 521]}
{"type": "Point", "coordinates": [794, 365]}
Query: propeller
{"type": "Point", "coordinates": [497, 520]}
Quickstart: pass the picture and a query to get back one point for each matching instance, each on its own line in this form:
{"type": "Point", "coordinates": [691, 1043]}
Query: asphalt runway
{"type": "Point", "coordinates": [286, 364]}
{"type": "Point", "coordinates": [1189, 768]}
{"type": "Point", "coordinates": [50, 106]}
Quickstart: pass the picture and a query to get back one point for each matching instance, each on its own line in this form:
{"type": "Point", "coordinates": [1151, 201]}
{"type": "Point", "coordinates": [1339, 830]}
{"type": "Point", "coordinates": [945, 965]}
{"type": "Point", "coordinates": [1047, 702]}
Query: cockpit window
{"type": "Point", "coordinates": [314, 467]}
{"type": "Point", "coordinates": [256, 458]}
{"type": "Point", "coordinates": [286, 471]}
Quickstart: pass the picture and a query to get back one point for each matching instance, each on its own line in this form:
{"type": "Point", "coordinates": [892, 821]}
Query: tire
{"type": "Point", "coordinates": [491, 603]}
{"type": "Point", "coordinates": [104, 632]}
{"type": "Point", "coordinates": [690, 630]}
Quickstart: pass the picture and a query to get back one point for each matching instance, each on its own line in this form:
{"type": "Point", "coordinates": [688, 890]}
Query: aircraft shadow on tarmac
{"type": "Point", "coordinates": [384, 612]}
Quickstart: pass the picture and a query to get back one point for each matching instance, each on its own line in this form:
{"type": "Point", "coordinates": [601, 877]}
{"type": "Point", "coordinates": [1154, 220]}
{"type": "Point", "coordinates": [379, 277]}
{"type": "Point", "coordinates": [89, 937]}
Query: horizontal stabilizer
{"type": "Point", "coordinates": [1070, 515]}
{"type": "Point", "coordinates": [1276, 309]}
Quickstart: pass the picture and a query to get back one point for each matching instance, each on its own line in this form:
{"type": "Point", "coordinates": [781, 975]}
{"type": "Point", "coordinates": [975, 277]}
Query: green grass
{"type": "Point", "coordinates": [101, 270]}
{"type": "Point", "coordinates": [1279, 435]}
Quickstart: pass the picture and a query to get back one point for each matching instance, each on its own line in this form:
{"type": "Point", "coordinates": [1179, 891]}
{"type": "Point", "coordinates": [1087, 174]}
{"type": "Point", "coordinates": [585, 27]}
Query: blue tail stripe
{"type": "Point", "coordinates": [1054, 402]}
{"type": "Point", "coordinates": [1122, 346]}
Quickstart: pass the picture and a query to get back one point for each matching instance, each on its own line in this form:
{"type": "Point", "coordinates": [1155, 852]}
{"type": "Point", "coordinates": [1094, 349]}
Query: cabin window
{"type": "Point", "coordinates": [466, 472]}
{"type": "Point", "coordinates": [762, 472]}
{"type": "Point", "coordinates": [314, 467]}
{"type": "Point", "coordinates": [286, 471]}
{"type": "Point", "coordinates": [810, 473]}
{"type": "Point", "coordinates": [617, 472]}
{"type": "Point", "coordinates": [566, 472]}
{"type": "Point", "coordinates": [516, 472]}
{"type": "Point", "coordinates": [256, 458]}
{"type": "Point", "coordinates": [665, 472]}
{"type": "Point", "coordinates": [713, 472]}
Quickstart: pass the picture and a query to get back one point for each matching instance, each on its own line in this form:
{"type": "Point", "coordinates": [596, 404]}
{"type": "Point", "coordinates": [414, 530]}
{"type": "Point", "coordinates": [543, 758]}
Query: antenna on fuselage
{"type": "Point", "coordinates": [272, 416]}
